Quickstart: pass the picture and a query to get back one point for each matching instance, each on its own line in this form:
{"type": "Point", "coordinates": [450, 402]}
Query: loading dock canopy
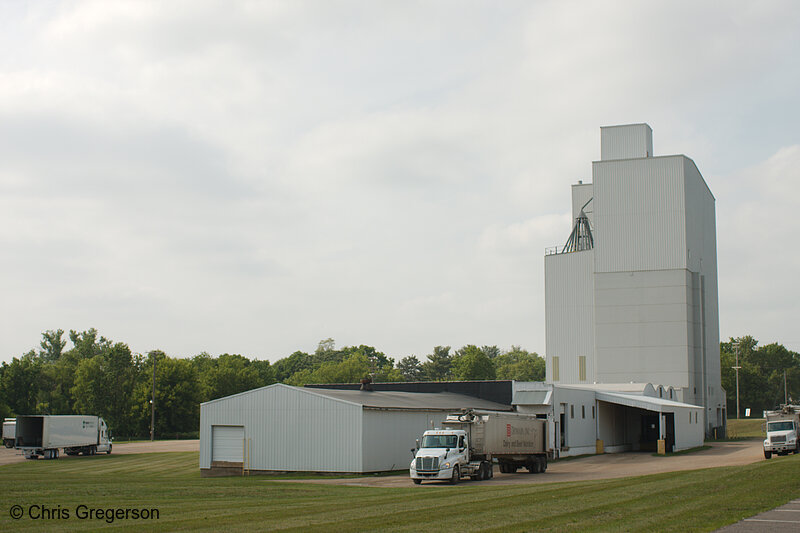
{"type": "Point", "coordinates": [648, 403]}
{"type": "Point", "coordinates": [416, 401]}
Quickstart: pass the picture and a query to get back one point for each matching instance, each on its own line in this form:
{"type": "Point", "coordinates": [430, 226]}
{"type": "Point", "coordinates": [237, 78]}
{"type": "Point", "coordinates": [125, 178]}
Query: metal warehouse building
{"type": "Point", "coordinates": [285, 428]}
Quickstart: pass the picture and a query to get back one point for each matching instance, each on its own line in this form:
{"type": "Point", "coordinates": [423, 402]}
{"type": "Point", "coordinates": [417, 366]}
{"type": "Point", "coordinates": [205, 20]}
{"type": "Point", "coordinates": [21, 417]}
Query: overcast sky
{"type": "Point", "coordinates": [253, 177]}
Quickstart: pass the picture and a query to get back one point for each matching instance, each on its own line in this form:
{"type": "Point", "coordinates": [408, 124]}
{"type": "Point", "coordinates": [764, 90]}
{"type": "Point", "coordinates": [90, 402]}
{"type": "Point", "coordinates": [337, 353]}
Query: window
{"type": "Point", "coordinates": [581, 368]}
{"type": "Point", "coordinates": [583, 411]}
{"type": "Point", "coordinates": [695, 417]}
{"type": "Point", "coordinates": [555, 376]}
{"type": "Point", "coordinates": [690, 417]}
{"type": "Point", "coordinates": [572, 411]}
{"type": "Point", "coordinates": [593, 411]}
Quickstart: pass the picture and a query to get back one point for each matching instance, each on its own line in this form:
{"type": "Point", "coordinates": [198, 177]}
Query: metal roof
{"type": "Point", "coordinates": [648, 403]}
{"type": "Point", "coordinates": [439, 401]}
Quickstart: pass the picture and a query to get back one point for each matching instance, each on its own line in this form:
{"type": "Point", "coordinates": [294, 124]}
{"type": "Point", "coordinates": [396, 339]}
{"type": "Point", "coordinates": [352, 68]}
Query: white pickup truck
{"type": "Point", "coordinates": [471, 441]}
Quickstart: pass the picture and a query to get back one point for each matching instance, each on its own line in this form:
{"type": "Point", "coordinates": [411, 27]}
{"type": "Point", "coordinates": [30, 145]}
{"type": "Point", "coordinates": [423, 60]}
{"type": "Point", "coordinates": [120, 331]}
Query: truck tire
{"type": "Point", "coordinates": [8, 443]}
{"type": "Point", "coordinates": [767, 454]}
{"type": "Point", "coordinates": [456, 476]}
{"type": "Point", "coordinates": [93, 450]}
{"type": "Point", "coordinates": [108, 452]}
{"type": "Point", "coordinates": [416, 481]}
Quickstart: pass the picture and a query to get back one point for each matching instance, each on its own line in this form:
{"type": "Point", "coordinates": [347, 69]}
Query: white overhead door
{"type": "Point", "coordinates": [227, 443]}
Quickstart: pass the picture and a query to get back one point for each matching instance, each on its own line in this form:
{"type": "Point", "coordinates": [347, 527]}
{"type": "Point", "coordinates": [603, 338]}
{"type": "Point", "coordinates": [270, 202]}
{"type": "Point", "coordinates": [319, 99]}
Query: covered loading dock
{"type": "Point", "coordinates": [623, 417]}
{"type": "Point", "coordinates": [285, 428]}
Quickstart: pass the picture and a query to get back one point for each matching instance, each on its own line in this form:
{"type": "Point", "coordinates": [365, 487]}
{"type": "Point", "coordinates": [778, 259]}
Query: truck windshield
{"type": "Point", "coordinates": [786, 425]}
{"type": "Point", "coordinates": [439, 441]}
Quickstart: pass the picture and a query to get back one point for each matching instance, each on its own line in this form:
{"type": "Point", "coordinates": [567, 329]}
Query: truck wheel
{"type": "Point", "coordinates": [108, 452]}
{"type": "Point", "coordinates": [767, 454]}
{"type": "Point", "coordinates": [93, 450]}
{"type": "Point", "coordinates": [544, 464]}
{"type": "Point", "coordinates": [9, 443]}
{"type": "Point", "coordinates": [416, 481]}
{"type": "Point", "coordinates": [456, 476]}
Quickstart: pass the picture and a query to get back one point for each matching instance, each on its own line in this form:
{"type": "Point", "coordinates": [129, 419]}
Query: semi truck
{"type": "Point", "coordinates": [782, 428]}
{"type": "Point", "coordinates": [44, 435]}
{"type": "Point", "coordinates": [470, 441]}
{"type": "Point", "coordinates": [9, 428]}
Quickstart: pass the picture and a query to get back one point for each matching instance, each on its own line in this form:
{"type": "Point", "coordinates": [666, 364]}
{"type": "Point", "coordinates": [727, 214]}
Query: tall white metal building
{"type": "Point", "coordinates": [632, 296]}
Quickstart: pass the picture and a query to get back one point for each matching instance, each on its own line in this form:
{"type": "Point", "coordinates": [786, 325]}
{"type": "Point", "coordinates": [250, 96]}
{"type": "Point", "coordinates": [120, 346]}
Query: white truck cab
{"type": "Point", "coordinates": [442, 454]}
{"type": "Point", "coordinates": [782, 432]}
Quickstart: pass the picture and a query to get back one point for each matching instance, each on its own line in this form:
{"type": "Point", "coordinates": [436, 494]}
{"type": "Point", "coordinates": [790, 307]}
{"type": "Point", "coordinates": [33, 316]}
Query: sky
{"type": "Point", "coordinates": [254, 177]}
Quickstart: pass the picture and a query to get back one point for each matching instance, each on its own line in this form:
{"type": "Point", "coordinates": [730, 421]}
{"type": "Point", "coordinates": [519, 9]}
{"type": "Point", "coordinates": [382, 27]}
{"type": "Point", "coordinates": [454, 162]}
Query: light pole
{"type": "Point", "coordinates": [153, 403]}
{"type": "Point", "coordinates": [737, 367]}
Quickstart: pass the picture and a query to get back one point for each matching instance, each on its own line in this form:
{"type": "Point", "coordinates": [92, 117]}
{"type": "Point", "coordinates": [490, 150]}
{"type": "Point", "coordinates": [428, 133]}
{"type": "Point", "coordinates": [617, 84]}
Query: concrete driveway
{"type": "Point", "coordinates": [608, 466]}
{"type": "Point", "coordinates": [8, 456]}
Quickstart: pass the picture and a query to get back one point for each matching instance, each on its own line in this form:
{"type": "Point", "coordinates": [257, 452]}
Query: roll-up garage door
{"type": "Point", "coordinates": [227, 443]}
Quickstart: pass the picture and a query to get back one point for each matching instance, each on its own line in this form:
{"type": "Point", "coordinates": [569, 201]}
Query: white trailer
{"type": "Point", "coordinates": [76, 434]}
{"type": "Point", "coordinates": [782, 427]}
{"type": "Point", "coordinates": [9, 430]}
{"type": "Point", "coordinates": [472, 440]}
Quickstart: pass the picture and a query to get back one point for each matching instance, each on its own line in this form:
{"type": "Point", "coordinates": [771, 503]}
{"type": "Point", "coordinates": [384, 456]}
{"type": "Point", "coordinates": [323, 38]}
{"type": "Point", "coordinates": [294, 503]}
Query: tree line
{"type": "Point", "coordinates": [102, 377]}
{"type": "Point", "coordinates": [769, 375]}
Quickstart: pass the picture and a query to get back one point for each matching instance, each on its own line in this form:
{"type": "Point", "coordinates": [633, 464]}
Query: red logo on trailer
{"type": "Point", "coordinates": [508, 430]}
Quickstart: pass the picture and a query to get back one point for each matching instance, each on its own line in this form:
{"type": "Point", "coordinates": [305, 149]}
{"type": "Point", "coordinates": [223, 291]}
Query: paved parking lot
{"type": "Point", "coordinates": [8, 456]}
{"type": "Point", "coordinates": [606, 466]}
{"type": "Point", "coordinates": [784, 518]}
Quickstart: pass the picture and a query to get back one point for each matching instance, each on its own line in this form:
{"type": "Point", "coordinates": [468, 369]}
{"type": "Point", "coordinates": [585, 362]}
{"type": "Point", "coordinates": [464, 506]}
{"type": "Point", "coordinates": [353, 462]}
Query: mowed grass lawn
{"type": "Point", "coordinates": [699, 500]}
{"type": "Point", "coordinates": [745, 428]}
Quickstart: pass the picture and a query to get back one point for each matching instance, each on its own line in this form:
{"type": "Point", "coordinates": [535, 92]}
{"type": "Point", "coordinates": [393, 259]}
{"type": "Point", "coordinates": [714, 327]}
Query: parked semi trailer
{"type": "Point", "coordinates": [469, 443]}
{"type": "Point", "coordinates": [44, 435]}
{"type": "Point", "coordinates": [782, 427]}
{"type": "Point", "coordinates": [9, 429]}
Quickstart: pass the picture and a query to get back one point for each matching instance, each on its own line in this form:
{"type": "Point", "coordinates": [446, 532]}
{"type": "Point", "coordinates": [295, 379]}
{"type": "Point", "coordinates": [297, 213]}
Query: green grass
{"type": "Point", "coordinates": [700, 500]}
{"type": "Point", "coordinates": [745, 428]}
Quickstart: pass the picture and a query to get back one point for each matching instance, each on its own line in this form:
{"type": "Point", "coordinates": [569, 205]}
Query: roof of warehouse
{"type": "Point", "coordinates": [410, 400]}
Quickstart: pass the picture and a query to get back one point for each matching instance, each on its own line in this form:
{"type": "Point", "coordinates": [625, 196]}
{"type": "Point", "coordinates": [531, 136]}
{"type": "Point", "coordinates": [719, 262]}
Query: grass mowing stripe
{"type": "Point", "coordinates": [171, 481]}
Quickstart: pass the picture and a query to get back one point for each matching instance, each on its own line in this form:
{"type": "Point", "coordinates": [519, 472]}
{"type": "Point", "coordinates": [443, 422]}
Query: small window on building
{"type": "Point", "coordinates": [593, 411]}
{"type": "Point", "coordinates": [695, 417]}
{"type": "Point", "coordinates": [583, 411]}
{"type": "Point", "coordinates": [690, 417]}
{"type": "Point", "coordinates": [581, 368]}
{"type": "Point", "coordinates": [572, 411]}
{"type": "Point", "coordinates": [670, 394]}
{"type": "Point", "coordinates": [555, 376]}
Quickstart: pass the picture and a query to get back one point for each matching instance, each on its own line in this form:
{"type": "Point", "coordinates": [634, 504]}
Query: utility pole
{"type": "Point", "coordinates": [785, 395]}
{"type": "Point", "coordinates": [153, 402]}
{"type": "Point", "coordinates": [737, 367]}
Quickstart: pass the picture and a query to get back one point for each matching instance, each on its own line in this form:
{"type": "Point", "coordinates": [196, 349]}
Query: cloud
{"type": "Point", "coordinates": [252, 177]}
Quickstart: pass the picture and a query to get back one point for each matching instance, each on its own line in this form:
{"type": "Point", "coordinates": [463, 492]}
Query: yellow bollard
{"type": "Point", "coordinates": [662, 447]}
{"type": "Point", "coordinates": [599, 444]}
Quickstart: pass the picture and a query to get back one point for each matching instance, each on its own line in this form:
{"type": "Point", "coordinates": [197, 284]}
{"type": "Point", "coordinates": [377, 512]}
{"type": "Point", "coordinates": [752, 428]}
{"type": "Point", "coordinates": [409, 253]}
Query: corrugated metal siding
{"type": "Point", "coordinates": [626, 142]}
{"type": "Point", "coordinates": [569, 313]}
{"type": "Point", "coordinates": [581, 193]}
{"type": "Point", "coordinates": [643, 326]}
{"type": "Point", "coordinates": [639, 214]}
{"type": "Point", "coordinates": [289, 429]}
{"type": "Point", "coordinates": [388, 437]}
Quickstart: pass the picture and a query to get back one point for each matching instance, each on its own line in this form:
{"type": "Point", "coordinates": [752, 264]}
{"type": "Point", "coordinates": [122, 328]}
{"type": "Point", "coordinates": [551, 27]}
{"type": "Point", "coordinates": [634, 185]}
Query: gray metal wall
{"type": "Point", "coordinates": [639, 214]}
{"type": "Point", "coordinates": [642, 327]}
{"type": "Point", "coordinates": [388, 437]}
{"type": "Point", "coordinates": [289, 429]}
{"type": "Point", "coordinates": [569, 314]}
{"type": "Point", "coordinates": [626, 142]}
